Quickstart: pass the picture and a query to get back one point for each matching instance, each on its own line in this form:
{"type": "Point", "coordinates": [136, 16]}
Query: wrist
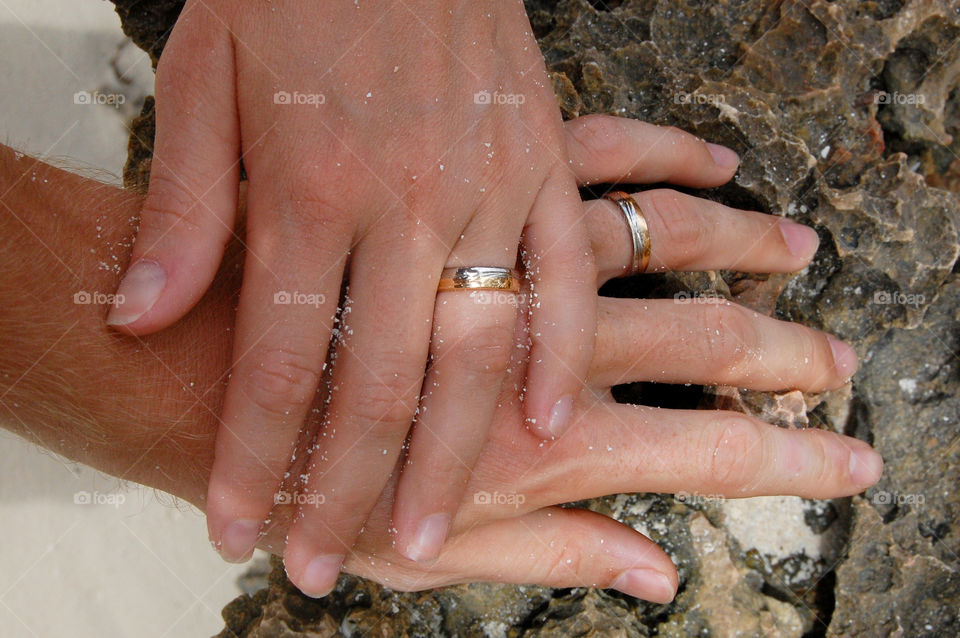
{"type": "Point", "coordinates": [122, 405]}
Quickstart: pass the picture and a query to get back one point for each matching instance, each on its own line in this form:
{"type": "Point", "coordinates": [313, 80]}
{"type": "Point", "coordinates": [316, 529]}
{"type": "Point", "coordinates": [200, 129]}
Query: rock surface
{"type": "Point", "coordinates": [846, 118]}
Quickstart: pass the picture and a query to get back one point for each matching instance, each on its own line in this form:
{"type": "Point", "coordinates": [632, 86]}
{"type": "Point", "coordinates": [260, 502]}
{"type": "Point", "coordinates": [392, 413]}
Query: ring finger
{"type": "Point", "coordinates": [377, 375]}
{"type": "Point", "coordinates": [690, 234]}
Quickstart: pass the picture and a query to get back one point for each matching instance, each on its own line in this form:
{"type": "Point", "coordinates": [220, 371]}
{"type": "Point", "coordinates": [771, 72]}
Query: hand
{"type": "Point", "coordinates": [382, 144]}
{"type": "Point", "coordinates": [633, 448]}
{"type": "Point", "coordinates": [173, 381]}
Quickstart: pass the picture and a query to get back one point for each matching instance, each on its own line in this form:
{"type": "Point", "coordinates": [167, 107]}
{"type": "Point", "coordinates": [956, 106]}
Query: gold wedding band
{"type": "Point", "coordinates": [638, 229]}
{"type": "Point", "coordinates": [479, 278]}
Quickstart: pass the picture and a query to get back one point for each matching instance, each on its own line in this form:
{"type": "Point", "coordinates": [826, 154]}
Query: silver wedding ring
{"type": "Point", "coordinates": [638, 230]}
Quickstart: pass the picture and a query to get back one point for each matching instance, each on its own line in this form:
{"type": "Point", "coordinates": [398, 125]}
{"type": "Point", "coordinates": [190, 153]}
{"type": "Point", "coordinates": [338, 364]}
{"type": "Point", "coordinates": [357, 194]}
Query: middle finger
{"type": "Point", "coordinates": [377, 376]}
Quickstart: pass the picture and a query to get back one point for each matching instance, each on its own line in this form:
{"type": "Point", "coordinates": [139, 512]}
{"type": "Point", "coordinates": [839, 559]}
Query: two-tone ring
{"type": "Point", "coordinates": [508, 279]}
{"type": "Point", "coordinates": [479, 278]}
{"type": "Point", "coordinates": [639, 232]}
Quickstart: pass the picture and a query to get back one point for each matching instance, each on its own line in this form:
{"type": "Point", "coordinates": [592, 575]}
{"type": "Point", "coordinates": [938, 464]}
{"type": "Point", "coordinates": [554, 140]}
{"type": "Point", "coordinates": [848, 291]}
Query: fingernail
{"type": "Point", "coordinates": [139, 290]}
{"type": "Point", "coordinates": [844, 357]}
{"type": "Point", "coordinates": [430, 537]}
{"type": "Point", "coordinates": [801, 240]}
{"type": "Point", "coordinates": [320, 576]}
{"type": "Point", "coordinates": [866, 466]}
{"type": "Point", "coordinates": [723, 156]}
{"type": "Point", "coordinates": [560, 416]}
{"type": "Point", "coordinates": [238, 540]}
{"type": "Point", "coordinates": [646, 584]}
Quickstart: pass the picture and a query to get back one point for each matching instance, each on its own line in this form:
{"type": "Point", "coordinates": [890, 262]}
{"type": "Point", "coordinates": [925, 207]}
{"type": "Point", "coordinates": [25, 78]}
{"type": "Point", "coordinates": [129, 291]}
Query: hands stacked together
{"type": "Point", "coordinates": [358, 199]}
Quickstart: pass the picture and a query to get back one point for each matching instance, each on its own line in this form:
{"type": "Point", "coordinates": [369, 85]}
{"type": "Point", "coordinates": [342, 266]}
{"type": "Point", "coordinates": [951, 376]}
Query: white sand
{"type": "Point", "coordinates": [49, 51]}
{"type": "Point", "coordinates": [71, 569]}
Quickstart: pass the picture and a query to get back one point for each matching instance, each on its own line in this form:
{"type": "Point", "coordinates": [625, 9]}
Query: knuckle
{"type": "Point", "coordinates": [830, 461]}
{"type": "Point", "coordinates": [574, 265]}
{"type": "Point", "coordinates": [341, 514]}
{"type": "Point", "coordinates": [731, 340]}
{"type": "Point", "coordinates": [687, 145]}
{"type": "Point", "coordinates": [311, 188]}
{"type": "Point", "coordinates": [565, 561]}
{"type": "Point", "coordinates": [735, 447]}
{"type": "Point", "coordinates": [314, 214]}
{"type": "Point", "coordinates": [406, 583]}
{"type": "Point", "coordinates": [406, 577]}
{"type": "Point", "coordinates": [282, 382]}
{"type": "Point", "coordinates": [170, 205]}
{"type": "Point", "coordinates": [823, 462]}
{"type": "Point", "coordinates": [171, 67]}
{"type": "Point", "coordinates": [414, 213]}
{"type": "Point", "coordinates": [331, 203]}
{"type": "Point", "coordinates": [675, 132]}
{"type": "Point", "coordinates": [540, 114]}
{"type": "Point", "coordinates": [414, 220]}
{"type": "Point", "coordinates": [175, 92]}
{"type": "Point", "coordinates": [317, 194]}
{"type": "Point", "coordinates": [386, 401]}
{"type": "Point", "coordinates": [819, 369]}
{"type": "Point", "coordinates": [484, 351]}
{"type": "Point", "coordinates": [596, 135]}
{"type": "Point", "coordinates": [421, 170]}
{"type": "Point", "coordinates": [807, 355]}
{"type": "Point", "coordinates": [685, 231]}
{"type": "Point", "coordinates": [584, 266]}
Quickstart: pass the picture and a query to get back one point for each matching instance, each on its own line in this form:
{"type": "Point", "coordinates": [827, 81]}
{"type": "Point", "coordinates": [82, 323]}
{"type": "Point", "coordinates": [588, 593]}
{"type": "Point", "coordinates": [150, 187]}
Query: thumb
{"type": "Point", "coordinates": [190, 209]}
